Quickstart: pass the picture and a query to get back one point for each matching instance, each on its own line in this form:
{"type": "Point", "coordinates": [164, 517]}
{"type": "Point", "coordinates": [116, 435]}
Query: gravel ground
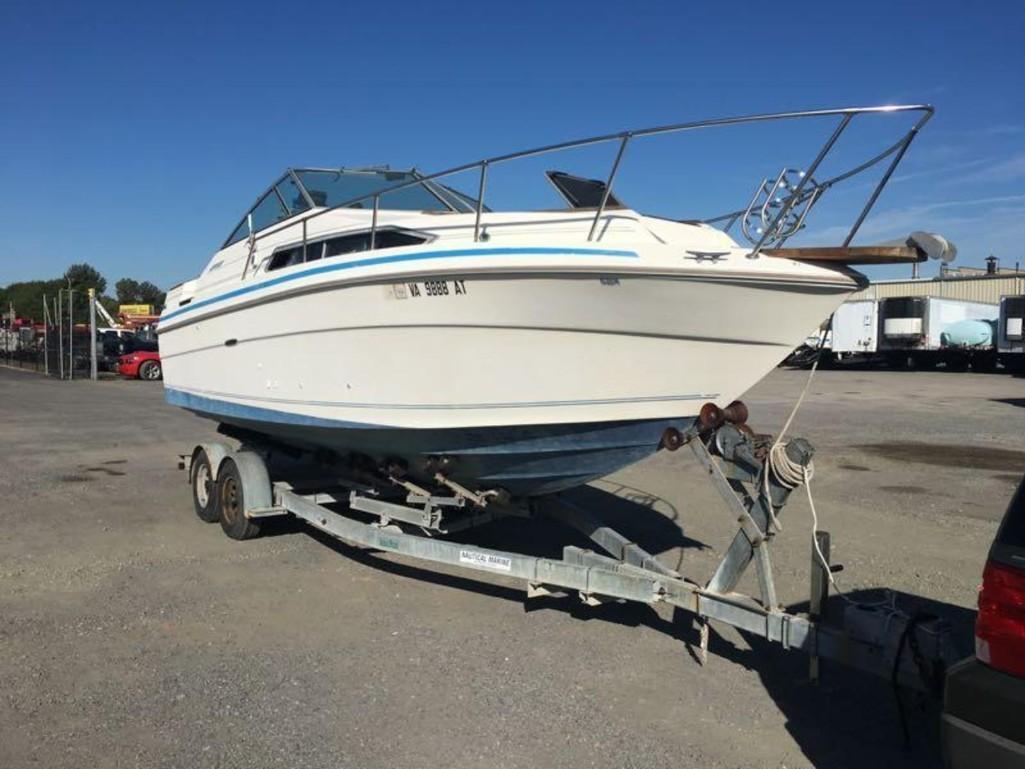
{"type": "Point", "coordinates": [133, 635]}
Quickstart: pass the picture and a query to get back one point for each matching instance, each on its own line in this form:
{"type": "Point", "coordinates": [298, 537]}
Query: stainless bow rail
{"type": "Point", "coordinates": [775, 212]}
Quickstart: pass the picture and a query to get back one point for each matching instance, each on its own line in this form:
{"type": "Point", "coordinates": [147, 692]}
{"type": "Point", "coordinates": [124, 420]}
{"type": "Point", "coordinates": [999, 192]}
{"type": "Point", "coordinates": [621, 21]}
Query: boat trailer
{"type": "Point", "coordinates": [405, 518]}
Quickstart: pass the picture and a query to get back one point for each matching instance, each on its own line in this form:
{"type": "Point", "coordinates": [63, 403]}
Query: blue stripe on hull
{"type": "Point", "coordinates": [415, 256]}
{"type": "Point", "coordinates": [527, 460]}
{"type": "Point", "coordinates": [215, 408]}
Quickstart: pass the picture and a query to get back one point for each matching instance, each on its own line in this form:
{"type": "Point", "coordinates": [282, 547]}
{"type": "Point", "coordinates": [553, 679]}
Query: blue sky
{"type": "Point", "coordinates": [134, 135]}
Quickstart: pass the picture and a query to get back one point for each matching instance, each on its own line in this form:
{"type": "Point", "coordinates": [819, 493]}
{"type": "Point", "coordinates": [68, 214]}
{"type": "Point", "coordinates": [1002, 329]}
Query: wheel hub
{"type": "Point", "coordinates": [203, 485]}
{"type": "Point", "coordinates": [231, 501]}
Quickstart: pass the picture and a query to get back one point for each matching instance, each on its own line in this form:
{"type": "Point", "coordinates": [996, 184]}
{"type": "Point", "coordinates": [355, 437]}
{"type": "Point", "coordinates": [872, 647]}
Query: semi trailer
{"type": "Point", "coordinates": [1011, 335]}
{"type": "Point", "coordinates": [926, 331]}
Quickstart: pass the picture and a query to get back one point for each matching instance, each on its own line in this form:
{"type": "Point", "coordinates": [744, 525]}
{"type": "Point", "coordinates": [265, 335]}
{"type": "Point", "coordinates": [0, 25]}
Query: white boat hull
{"type": "Point", "coordinates": [509, 350]}
{"type": "Point", "coordinates": [533, 365]}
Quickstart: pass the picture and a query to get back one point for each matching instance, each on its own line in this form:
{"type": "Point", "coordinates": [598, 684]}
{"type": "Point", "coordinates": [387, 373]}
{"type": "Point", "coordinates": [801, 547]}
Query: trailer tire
{"type": "Point", "coordinates": [204, 488]}
{"type": "Point", "coordinates": [231, 496]}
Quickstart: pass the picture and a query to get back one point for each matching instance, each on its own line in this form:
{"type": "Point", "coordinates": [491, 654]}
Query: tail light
{"type": "Point", "coordinates": [1000, 626]}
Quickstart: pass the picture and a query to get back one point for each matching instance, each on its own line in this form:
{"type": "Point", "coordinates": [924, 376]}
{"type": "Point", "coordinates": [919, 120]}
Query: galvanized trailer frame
{"type": "Point", "coordinates": [872, 638]}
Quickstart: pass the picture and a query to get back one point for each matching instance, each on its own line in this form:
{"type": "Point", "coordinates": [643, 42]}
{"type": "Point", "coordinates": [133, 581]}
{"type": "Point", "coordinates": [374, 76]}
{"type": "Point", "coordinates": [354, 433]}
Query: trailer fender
{"type": "Point", "coordinates": [256, 488]}
{"type": "Point", "coordinates": [215, 452]}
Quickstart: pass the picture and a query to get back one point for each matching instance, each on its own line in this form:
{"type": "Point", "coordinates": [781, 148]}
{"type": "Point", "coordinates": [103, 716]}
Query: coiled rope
{"type": "Point", "coordinates": [791, 474]}
{"type": "Point", "coordinates": [788, 473]}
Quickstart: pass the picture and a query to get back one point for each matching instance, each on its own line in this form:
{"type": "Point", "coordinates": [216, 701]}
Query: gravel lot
{"type": "Point", "coordinates": [133, 635]}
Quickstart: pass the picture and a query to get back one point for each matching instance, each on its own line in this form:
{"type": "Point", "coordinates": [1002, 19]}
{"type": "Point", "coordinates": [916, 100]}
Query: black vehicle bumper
{"type": "Point", "coordinates": [968, 745]}
{"type": "Point", "coordinates": [983, 718]}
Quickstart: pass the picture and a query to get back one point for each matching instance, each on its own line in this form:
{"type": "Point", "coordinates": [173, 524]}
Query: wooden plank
{"type": "Point", "coordinates": [850, 254]}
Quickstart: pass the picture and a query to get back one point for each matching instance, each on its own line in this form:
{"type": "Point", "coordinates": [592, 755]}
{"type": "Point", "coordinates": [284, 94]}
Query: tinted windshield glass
{"type": "Point", "coordinates": [240, 232]}
{"type": "Point", "coordinates": [290, 193]}
{"type": "Point", "coordinates": [459, 200]}
{"type": "Point", "coordinates": [269, 210]}
{"type": "Point", "coordinates": [332, 188]}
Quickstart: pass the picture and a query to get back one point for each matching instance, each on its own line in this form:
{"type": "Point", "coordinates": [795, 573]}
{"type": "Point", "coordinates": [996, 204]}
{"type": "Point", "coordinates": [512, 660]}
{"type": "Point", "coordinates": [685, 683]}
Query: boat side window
{"type": "Point", "coordinates": [314, 251]}
{"type": "Point", "coordinates": [343, 244]}
{"type": "Point", "coordinates": [360, 241]}
{"type": "Point", "coordinates": [287, 257]}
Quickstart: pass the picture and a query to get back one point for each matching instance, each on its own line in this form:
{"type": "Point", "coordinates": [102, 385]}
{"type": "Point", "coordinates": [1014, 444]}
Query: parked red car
{"type": "Point", "coordinates": [141, 364]}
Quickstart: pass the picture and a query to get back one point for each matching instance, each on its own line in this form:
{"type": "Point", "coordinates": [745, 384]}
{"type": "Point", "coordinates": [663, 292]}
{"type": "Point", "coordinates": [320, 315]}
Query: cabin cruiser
{"type": "Point", "coordinates": [385, 317]}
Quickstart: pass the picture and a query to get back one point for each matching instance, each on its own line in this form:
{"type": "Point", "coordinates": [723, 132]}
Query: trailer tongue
{"type": "Point", "coordinates": [264, 479]}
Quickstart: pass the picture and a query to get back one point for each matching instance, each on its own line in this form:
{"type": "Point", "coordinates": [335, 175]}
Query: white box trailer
{"type": "Point", "coordinates": [854, 329]}
{"type": "Point", "coordinates": [1011, 334]}
{"type": "Point", "coordinates": [916, 330]}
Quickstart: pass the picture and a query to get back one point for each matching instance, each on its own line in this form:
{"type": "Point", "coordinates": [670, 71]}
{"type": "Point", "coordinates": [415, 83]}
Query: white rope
{"type": "Point", "coordinates": [777, 454]}
{"type": "Point", "coordinates": [791, 474]}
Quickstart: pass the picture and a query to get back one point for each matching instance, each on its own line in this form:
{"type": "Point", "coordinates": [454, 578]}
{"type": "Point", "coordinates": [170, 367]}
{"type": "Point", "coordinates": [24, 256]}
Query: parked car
{"type": "Point", "coordinates": [141, 364]}
{"type": "Point", "coordinates": [984, 701]}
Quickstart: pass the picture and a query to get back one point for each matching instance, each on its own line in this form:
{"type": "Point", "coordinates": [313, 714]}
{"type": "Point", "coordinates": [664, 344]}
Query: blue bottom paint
{"type": "Point", "coordinates": [526, 460]}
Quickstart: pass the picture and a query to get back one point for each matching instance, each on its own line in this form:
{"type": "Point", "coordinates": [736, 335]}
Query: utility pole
{"type": "Point", "coordinates": [92, 334]}
{"type": "Point", "coordinates": [71, 332]}
{"type": "Point", "coordinates": [46, 338]}
{"type": "Point", "coordinates": [59, 301]}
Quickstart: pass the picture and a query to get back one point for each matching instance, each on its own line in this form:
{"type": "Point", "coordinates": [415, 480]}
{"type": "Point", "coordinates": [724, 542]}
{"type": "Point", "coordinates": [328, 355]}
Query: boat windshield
{"type": "Point", "coordinates": [327, 188]}
{"type": "Point", "coordinates": [332, 188]}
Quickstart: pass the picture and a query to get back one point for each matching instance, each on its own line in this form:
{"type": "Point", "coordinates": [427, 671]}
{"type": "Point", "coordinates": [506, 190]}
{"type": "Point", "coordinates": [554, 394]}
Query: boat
{"type": "Point", "coordinates": [385, 318]}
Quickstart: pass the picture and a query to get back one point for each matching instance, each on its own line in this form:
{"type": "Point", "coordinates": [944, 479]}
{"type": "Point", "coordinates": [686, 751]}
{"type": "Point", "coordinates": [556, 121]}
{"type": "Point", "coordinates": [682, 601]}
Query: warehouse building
{"type": "Point", "coordinates": [964, 284]}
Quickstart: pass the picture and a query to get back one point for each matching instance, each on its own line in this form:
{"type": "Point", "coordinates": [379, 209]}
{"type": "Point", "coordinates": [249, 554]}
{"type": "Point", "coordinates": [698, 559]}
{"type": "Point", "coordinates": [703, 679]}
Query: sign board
{"type": "Point", "coordinates": [135, 309]}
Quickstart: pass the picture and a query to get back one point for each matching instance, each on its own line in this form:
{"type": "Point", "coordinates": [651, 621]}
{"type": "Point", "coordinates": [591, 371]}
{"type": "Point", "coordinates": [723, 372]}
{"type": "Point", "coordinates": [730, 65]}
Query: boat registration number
{"type": "Point", "coordinates": [429, 288]}
{"type": "Point", "coordinates": [485, 560]}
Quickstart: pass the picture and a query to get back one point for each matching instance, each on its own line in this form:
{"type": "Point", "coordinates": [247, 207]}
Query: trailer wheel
{"type": "Point", "coordinates": [233, 504]}
{"type": "Point", "coordinates": [204, 488]}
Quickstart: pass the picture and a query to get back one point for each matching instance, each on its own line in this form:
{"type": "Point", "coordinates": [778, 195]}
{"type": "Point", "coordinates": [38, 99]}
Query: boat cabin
{"type": "Point", "coordinates": [303, 189]}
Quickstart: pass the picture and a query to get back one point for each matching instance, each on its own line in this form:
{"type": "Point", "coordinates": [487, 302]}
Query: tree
{"type": "Point", "coordinates": [83, 277]}
{"type": "Point", "coordinates": [27, 297]}
{"type": "Point", "coordinates": [131, 291]}
{"type": "Point", "coordinates": [128, 291]}
{"type": "Point", "coordinates": [80, 278]}
{"type": "Point", "coordinates": [151, 294]}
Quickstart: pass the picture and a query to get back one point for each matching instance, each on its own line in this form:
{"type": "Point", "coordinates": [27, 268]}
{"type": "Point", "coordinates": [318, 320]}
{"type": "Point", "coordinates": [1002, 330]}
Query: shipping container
{"type": "Point", "coordinates": [926, 331]}
{"type": "Point", "coordinates": [854, 329]}
{"type": "Point", "coordinates": [1011, 335]}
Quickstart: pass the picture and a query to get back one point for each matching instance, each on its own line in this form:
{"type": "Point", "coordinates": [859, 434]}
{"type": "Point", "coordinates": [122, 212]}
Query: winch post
{"type": "Point", "coordinates": [751, 541]}
{"type": "Point", "coordinates": [819, 591]}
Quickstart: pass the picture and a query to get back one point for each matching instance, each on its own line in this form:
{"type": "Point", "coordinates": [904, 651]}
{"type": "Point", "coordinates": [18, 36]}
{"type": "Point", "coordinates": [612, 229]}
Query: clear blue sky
{"type": "Point", "coordinates": [134, 135]}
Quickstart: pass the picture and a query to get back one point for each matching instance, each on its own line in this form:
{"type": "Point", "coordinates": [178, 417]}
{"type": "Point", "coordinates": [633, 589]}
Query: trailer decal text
{"type": "Point", "coordinates": [486, 560]}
